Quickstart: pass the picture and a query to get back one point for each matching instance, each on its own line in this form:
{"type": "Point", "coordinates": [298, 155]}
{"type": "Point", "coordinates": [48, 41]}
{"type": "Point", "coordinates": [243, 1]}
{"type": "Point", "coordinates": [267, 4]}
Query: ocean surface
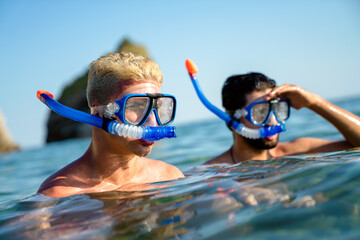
{"type": "Point", "coordinates": [297, 197]}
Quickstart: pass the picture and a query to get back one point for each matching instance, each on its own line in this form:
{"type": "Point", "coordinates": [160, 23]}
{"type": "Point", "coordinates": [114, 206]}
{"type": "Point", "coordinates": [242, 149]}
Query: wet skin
{"type": "Point", "coordinates": [113, 162]}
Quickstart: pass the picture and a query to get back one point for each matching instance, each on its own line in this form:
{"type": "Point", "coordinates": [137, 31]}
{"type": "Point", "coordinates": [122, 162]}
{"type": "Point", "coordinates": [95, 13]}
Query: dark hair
{"type": "Point", "coordinates": [236, 87]}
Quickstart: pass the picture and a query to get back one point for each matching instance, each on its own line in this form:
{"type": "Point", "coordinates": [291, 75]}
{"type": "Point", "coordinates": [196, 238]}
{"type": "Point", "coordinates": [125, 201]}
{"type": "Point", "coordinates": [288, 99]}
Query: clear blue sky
{"type": "Point", "coordinates": [46, 44]}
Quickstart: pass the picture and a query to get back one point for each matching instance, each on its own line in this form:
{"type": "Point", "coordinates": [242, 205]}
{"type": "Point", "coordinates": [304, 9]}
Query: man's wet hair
{"type": "Point", "coordinates": [236, 87]}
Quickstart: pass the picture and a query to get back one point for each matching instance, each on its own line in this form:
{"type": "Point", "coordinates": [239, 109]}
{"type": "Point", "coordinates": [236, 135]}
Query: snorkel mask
{"type": "Point", "coordinates": [260, 112]}
{"type": "Point", "coordinates": [124, 109]}
{"type": "Point", "coordinates": [135, 109]}
{"type": "Point", "coordinates": [265, 131]}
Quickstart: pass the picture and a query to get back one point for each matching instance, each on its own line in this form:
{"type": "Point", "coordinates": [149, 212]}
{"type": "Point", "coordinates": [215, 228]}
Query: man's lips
{"type": "Point", "coordinates": [146, 142]}
{"type": "Point", "coordinates": [271, 137]}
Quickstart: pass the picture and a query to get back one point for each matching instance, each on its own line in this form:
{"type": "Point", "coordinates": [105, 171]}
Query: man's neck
{"type": "Point", "coordinates": [110, 166]}
{"type": "Point", "coordinates": [242, 151]}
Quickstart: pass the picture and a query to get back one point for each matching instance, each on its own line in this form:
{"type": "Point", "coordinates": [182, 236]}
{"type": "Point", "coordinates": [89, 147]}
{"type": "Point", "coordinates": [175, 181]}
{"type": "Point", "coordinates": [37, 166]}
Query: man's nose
{"type": "Point", "coordinates": [151, 121]}
{"type": "Point", "coordinates": [272, 120]}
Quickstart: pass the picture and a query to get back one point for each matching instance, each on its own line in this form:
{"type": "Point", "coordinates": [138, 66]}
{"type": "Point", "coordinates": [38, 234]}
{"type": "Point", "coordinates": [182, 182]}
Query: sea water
{"type": "Point", "coordinates": [297, 197]}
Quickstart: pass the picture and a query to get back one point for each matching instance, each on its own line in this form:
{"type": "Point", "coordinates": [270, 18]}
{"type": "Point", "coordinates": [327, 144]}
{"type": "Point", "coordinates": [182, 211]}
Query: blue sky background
{"type": "Point", "coordinates": [46, 44]}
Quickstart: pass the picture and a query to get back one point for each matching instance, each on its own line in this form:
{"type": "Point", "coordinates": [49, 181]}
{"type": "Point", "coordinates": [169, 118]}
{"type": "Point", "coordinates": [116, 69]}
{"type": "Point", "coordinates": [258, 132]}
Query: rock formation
{"type": "Point", "coordinates": [74, 96]}
{"type": "Point", "coordinates": [6, 143]}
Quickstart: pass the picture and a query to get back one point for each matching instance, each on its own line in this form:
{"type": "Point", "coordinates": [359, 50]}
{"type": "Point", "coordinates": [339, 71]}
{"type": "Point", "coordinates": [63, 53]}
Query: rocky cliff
{"type": "Point", "coordinates": [74, 96]}
{"type": "Point", "coordinates": [6, 143]}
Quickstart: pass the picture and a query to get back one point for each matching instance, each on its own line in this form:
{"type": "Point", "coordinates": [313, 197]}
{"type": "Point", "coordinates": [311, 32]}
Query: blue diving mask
{"type": "Point", "coordinates": [264, 131]}
{"type": "Point", "coordinates": [135, 109]}
{"type": "Point", "coordinates": [132, 128]}
{"type": "Point", "coordinates": [259, 112]}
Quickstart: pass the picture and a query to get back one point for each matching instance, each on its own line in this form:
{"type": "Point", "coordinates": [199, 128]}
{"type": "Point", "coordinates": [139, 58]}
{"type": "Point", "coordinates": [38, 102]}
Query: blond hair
{"type": "Point", "coordinates": [108, 71]}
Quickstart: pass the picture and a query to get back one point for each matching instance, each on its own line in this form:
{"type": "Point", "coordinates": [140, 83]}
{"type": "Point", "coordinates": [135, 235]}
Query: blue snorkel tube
{"type": "Point", "coordinates": [109, 125]}
{"type": "Point", "coordinates": [237, 126]}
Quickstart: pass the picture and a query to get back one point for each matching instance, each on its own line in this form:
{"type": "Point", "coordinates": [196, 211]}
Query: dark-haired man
{"type": "Point", "coordinates": [255, 101]}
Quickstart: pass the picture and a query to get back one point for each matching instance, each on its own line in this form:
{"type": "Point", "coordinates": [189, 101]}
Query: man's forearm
{"type": "Point", "coordinates": [347, 123]}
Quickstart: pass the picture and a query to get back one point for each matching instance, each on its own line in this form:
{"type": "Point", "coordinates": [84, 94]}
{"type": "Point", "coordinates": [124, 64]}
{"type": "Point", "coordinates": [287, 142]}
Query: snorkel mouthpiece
{"type": "Point", "coordinates": [271, 130]}
{"type": "Point", "coordinates": [147, 132]}
{"type": "Point", "coordinates": [257, 133]}
{"type": "Point", "coordinates": [111, 126]}
{"type": "Point", "coordinates": [239, 127]}
{"type": "Point", "coordinates": [157, 133]}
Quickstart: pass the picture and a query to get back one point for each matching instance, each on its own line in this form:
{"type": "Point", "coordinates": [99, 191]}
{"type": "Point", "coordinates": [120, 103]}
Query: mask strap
{"type": "Point", "coordinates": [230, 123]}
{"type": "Point", "coordinates": [106, 111]}
{"type": "Point", "coordinates": [239, 113]}
{"type": "Point", "coordinates": [106, 122]}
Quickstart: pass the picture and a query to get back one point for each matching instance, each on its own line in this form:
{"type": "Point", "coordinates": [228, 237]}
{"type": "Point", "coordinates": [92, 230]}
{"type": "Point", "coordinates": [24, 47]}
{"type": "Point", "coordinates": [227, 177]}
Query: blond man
{"type": "Point", "coordinates": [115, 162]}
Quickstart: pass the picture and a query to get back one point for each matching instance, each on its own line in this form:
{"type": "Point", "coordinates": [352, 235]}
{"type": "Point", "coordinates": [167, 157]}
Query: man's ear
{"type": "Point", "coordinates": [95, 103]}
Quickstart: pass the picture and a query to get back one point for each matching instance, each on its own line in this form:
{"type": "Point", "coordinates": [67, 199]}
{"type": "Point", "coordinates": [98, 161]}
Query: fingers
{"type": "Point", "coordinates": [298, 96]}
{"type": "Point", "coordinates": [281, 91]}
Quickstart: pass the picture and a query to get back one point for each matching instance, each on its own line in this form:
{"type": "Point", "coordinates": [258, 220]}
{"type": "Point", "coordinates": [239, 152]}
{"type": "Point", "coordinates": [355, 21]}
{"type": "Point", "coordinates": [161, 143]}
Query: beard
{"type": "Point", "coordinates": [262, 143]}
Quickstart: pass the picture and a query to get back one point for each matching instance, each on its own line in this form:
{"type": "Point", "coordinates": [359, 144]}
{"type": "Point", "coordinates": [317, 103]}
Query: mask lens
{"type": "Point", "coordinates": [165, 109]}
{"type": "Point", "coordinates": [136, 109]}
{"type": "Point", "coordinates": [282, 110]}
{"type": "Point", "coordinates": [259, 113]}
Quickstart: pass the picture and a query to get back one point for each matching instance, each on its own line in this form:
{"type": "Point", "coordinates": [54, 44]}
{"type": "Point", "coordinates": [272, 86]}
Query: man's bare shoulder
{"type": "Point", "coordinates": [164, 170]}
{"type": "Point", "coordinates": [58, 186]}
{"type": "Point", "coordinates": [64, 182]}
{"type": "Point", "coordinates": [296, 146]}
{"type": "Point", "coordinates": [222, 158]}
{"type": "Point", "coordinates": [60, 191]}
{"type": "Point", "coordinates": [307, 145]}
